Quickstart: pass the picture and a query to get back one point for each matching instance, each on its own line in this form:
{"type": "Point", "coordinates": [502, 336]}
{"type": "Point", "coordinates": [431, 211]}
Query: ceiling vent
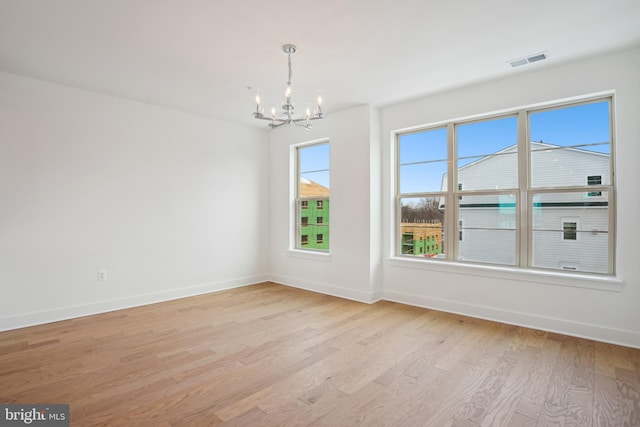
{"type": "Point", "coordinates": [528, 60]}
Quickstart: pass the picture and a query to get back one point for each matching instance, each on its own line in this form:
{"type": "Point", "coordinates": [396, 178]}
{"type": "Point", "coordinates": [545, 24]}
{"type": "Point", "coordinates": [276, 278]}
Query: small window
{"type": "Point", "coordinates": [312, 191]}
{"type": "Point", "coordinates": [594, 180]}
{"type": "Point", "coordinates": [570, 230]}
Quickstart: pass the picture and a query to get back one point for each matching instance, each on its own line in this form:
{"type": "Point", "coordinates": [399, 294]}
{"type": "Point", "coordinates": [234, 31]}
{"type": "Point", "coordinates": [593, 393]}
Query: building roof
{"type": "Point", "coordinates": [310, 188]}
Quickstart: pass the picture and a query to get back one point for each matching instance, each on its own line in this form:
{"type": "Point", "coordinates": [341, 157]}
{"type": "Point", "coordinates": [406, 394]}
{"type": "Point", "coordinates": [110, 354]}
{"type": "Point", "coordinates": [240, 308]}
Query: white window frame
{"type": "Point", "coordinates": [296, 250]}
{"type": "Point", "coordinates": [525, 193]}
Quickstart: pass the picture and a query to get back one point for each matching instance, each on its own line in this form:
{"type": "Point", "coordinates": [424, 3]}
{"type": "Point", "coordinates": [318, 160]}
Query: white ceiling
{"type": "Point", "coordinates": [201, 55]}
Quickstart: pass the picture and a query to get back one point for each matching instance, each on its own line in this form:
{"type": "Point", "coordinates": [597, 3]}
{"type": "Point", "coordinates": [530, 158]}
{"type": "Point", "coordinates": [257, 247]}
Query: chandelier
{"type": "Point", "coordinates": [286, 116]}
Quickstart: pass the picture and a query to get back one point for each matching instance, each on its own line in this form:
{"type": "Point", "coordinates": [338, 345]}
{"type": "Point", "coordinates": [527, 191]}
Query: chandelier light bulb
{"type": "Point", "coordinates": [286, 103]}
{"type": "Point", "coordinates": [258, 104]}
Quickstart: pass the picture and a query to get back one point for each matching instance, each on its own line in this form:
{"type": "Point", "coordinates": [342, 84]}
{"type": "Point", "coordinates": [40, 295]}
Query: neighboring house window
{"type": "Point", "coordinates": [569, 230]}
{"type": "Point", "coordinates": [312, 196]}
{"type": "Point", "coordinates": [521, 199]}
{"type": "Point", "coordinates": [594, 180]}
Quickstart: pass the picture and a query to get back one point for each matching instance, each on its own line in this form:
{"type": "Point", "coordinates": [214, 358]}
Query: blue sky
{"type": "Point", "coordinates": [424, 154]}
{"type": "Point", "coordinates": [582, 124]}
{"type": "Point", "coordinates": [314, 163]}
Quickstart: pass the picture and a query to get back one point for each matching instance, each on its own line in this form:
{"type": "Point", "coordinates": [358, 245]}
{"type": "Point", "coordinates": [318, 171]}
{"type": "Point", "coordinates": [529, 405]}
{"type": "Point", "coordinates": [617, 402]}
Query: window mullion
{"type": "Point", "coordinates": [451, 211]}
{"type": "Point", "coordinates": [524, 219]}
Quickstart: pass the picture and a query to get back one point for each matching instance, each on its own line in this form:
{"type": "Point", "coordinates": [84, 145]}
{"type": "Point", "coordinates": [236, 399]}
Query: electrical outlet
{"type": "Point", "coordinates": [102, 275]}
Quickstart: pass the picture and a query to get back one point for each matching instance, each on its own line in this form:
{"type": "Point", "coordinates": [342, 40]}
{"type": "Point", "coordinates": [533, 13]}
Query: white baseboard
{"type": "Point", "coordinates": [328, 289]}
{"type": "Point", "coordinates": [562, 326]}
{"type": "Point", "coordinates": [70, 312]}
{"type": "Point", "coordinates": [549, 324]}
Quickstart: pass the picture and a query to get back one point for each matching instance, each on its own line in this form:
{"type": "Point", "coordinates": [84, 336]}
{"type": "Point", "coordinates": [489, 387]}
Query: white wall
{"type": "Point", "coordinates": [352, 270]}
{"type": "Point", "coordinates": [173, 204]}
{"type": "Point", "coordinates": [594, 308]}
{"type": "Point", "coordinates": [170, 204]}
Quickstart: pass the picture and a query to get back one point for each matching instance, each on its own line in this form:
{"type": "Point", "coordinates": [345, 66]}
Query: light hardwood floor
{"type": "Point", "coordinates": [270, 355]}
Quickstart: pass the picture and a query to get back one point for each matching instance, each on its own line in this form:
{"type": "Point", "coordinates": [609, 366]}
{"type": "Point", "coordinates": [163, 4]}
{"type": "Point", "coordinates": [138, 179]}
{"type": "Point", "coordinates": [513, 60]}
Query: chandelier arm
{"type": "Point", "coordinates": [278, 123]}
{"type": "Point", "coordinates": [305, 125]}
{"type": "Point", "coordinates": [273, 122]}
{"type": "Point", "coordinates": [306, 119]}
{"type": "Point", "coordinates": [260, 116]}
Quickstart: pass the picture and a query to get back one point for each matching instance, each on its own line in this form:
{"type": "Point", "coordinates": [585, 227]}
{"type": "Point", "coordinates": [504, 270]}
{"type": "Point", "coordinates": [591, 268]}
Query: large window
{"type": "Point", "coordinates": [312, 197]}
{"type": "Point", "coordinates": [532, 188]}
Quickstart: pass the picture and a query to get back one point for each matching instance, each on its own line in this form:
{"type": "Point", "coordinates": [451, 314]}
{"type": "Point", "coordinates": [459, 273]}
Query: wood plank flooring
{"type": "Point", "coordinates": [270, 355]}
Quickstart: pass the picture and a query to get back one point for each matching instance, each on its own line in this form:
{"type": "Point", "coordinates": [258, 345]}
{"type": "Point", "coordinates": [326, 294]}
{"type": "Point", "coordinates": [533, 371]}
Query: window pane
{"type": "Point", "coordinates": [313, 170]}
{"type": "Point", "coordinates": [487, 229]}
{"type": "Point", "coordinates": [488, 154]}
{"type": "Point", "coordinates": [312, 199]}
{"type": "Point", "coordinates": [422, 227]}
{"type": "Point", "coordinates": [571, 231]}
{"type": "Point", "coordinates": [313, 225]}
{"type": "Point", "coordinates": [570, 144]}
{"type": "Point", "coordinates": [423, 161]}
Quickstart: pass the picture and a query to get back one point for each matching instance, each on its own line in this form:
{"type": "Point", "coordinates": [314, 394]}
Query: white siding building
{"type": "Point", "coordinates": [569, 228]}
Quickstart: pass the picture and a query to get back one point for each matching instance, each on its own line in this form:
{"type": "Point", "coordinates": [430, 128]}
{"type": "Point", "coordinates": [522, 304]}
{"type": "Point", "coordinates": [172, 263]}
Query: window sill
{"type": "Point", "coordinates": [310, 255]}
{"type": "Point", "coordinates": [590, 281]}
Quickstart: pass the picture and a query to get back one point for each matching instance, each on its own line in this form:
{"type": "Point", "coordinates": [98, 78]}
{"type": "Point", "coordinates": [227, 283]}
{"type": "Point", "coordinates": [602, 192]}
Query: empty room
{"type": "Point", "coordinates": [345, 213]}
